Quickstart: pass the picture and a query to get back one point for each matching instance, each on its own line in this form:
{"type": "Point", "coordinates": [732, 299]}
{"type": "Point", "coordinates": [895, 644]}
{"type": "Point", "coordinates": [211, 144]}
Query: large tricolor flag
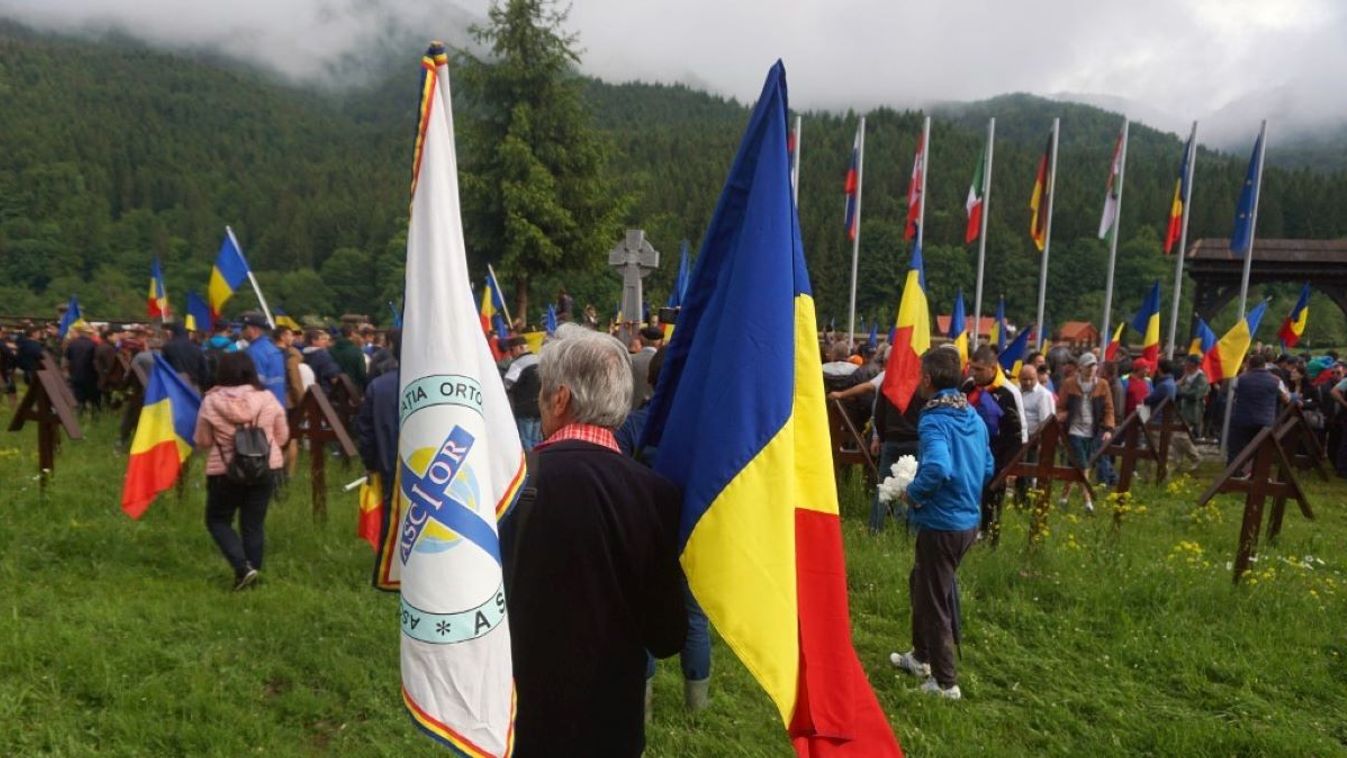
{"type": "Point", "coordinates": [1175, 227]}
{"type": "Point", "coordinates": [973, 204]}
{"type": "Point", "coordinates": [1038, 200]}
{"type": "Point", "coordinates": [1295, 322]}
{"type": "Point", "coordinates": [197, 317]}
{"type": "Point", "coordinates": [911, 337]}
{"type": "Point", "coordinates": [852, 188]}
{"type": "Point", "coordinates": [761, 539]}
{"type": "Point", "coordinates": [1224, 359]}
{"type": "Point", "coordinates": [163, 438]}
{"type": "Point", "coordinates": [1241, 239]}
{"type": "Point", "coordinates": [1108, 220]}
{"type": "Point", "coordinates": [1203, 338]}
{"type": "Point", "coordinates": [958, 329]}
{"type": "Point", "coordinates": [230, 272]}
{"type": "Point", "coordinates": [1147, 321]}
{"type": "Point", "coordinates": [156, 300]}
{"type": "Point", "coordinates": [460, 465]}
{"type": "Point", "coordinates": [915, 198]}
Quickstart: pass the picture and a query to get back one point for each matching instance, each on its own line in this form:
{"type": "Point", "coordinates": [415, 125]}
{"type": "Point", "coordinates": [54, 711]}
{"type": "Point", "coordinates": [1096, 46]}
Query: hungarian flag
{"type": "Point", "coordinates": [1147, 321]}
{"type": "Point", "coordinates": [1115, 342]}
{"type": "Point", "coordinates": [1038, 201]}
{"type": "Point", "coordinates": [914, 184]}
{"type": "Point", "coordinates": [911, 338]}
{"type": "Point", "coordinates": [1294, 325]}
{"type": "Point", "coordinates": [460, 466]}
{"type": "Point", "coordinates": [1175, 228]}
{"type": "Point", "coordinates": [761, 535]}
{"type": "Point", "coordinates": [157, 300]}
{"type": "Point", "coordinates": [973, 205]}
{"type": "Point", "coordinates": [1224, 359]}
{"type": "Point", "coordinates": [1113, 192]}
{"type": "Point", "coordinates": [852, 188]}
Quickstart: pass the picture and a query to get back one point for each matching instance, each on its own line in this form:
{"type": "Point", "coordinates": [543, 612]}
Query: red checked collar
{"type": "Point", "coordinates": [594, 435]}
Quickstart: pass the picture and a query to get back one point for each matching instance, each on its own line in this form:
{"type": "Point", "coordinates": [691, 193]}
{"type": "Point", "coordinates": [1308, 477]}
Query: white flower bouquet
{"type": "Point", "coordinates": [903, 471]}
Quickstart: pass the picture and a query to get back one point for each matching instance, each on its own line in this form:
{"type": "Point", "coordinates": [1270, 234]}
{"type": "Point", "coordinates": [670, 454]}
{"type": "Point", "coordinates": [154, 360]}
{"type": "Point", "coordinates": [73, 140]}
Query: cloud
{"type": "Point", "coordinates": [1174, 59]}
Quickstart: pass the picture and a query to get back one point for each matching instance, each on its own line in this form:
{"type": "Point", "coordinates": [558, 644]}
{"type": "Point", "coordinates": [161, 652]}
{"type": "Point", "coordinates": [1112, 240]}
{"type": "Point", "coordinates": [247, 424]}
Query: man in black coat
{"type": "Point", "coordinates": [79, 357]}
{"type": "Point", "coordinates": [184, 355]}
{"type": "Point", "coordinates": [995, 403]}
{"type": "Point", "coordinates": [590, 555]}
{"type": "Point", "coordinates": [376, 432]}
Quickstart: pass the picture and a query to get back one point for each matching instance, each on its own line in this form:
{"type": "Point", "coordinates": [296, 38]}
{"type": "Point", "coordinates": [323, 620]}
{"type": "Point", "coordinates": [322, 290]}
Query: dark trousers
{"type": "Point", "coordinates": [1240, 437]}
{"type": "Point", "coordinates": [931, 582]}
{"type": "Point", "coordinates": [223, 500]}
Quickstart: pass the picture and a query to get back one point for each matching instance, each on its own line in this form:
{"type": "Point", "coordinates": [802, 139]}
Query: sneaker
{"type": "Point", "coordinates": [931, 687]}
{"type": "Point", "coordinates": [246, 580]}
{"type": "Point", "coordinates": [907, 662]}
{"type": "Point", "coordinates": [1089, 507]}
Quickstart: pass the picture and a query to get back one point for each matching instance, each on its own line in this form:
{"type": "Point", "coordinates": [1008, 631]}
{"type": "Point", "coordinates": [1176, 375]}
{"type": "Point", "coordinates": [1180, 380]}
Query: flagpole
{"type": "Point", "coordinates": [256, 289]}
{"type": "Point", "coordinates": [1047, 235]}
{"type": "Point", "coordinates": [982, 232]}
{"type": "Point", "coordinates": [795, 169]}
{"type": "Point", "coordinates": [856, 243]}
{"type": "Point", "coordinates": [495, 284]}
{"type": "Point", "coordinates": [1113, 241]}
{"type": "Point", "coordinates": [925, 160]}
{"type": "Point", "coordinates": [1244, 280]}
{"type": "Point", "coordinates": [1183, 240]}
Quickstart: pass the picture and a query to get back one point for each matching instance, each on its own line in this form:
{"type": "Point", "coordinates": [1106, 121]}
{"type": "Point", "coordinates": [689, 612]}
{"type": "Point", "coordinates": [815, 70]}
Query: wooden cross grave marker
{"type": "Point", "coordinates": [345, 401]}
{"type": "Point", "coordinates": [320, 424]}
{"type": "Point", "coordinates": [47, 405]}
{"type": "Point", "coordinates": [1165, 421]}
{"type": "Point", "coordinates": [1046, 438]}
{"type": "Point", "coordinates": [1126, 445]}
{"type": "Point", "coordinates": [848, 447]}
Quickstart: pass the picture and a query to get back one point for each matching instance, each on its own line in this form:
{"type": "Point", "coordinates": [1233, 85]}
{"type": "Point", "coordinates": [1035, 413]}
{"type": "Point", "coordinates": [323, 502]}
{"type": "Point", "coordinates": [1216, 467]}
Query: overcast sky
{"type": "Point", "coordinates": [1174, 60]}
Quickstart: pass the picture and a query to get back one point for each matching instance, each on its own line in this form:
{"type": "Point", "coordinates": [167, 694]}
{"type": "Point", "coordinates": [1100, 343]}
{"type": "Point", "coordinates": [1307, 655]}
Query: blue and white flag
{"type": "Point", "coordinates": [460, 465]}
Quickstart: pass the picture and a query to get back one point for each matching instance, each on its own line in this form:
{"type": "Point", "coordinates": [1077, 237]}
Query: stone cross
{"type": "Point", "coordinates": [634, 258]}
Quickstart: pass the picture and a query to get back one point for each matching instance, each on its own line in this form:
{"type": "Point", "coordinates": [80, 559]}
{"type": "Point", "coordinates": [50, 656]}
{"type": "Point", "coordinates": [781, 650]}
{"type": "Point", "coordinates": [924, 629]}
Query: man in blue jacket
{"type": "Point", "coordinates": [267, 358]}
{"type": "Point", "coordinates": [945, 501]}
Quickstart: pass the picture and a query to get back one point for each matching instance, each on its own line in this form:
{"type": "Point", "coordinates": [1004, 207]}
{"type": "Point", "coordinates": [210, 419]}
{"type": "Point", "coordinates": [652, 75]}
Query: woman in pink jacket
{"type": "Point", "coordinates": [238, 400]}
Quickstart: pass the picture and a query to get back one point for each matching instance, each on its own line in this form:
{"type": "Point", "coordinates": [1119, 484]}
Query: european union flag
{"type": "Point", "coordinates": [1241, 240]}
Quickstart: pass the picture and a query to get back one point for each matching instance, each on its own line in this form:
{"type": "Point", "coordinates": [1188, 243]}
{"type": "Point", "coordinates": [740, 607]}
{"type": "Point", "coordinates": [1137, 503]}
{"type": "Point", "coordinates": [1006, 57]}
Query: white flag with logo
{"type": "Point", "coordinates": [460, 465]}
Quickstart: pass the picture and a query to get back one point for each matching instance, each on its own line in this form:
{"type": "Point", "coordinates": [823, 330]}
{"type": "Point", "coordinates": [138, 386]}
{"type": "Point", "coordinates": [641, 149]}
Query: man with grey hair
{"type": "Point", "coordinates": [590, 555]}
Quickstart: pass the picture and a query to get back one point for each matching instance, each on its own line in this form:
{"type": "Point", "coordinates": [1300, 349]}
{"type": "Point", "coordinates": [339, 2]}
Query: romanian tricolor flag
{"type": "Point", "coordinates": [156, 301]}
{"type": "Point", "coordinates": [958, 330]}
{"type": "Point", "coordinates": [1038, 201]}
{"type": "Point", "coordinates": [1115, 342]}
{"type": "Point", "coordinates": [1012, 358]}
{"type": "Point", "coordinates": [197, 317]}
{"type": "Point", "coordinates": [998, 335]}
{"type": "Point", "coordinates": [911, 337]}
{"type": "Point", "coordinates": [1175, 228]}
{"type": "Point", "coordinates": [914, 185]}
{"type": "Point", "coordinates": [230, 272]}
{"type": "Point", "coordinates": [760, 533]}
{"type": "Point", "coordinates": [283, 319]}
{"type": "Point", "coordinates": [163, 438]}
{"type": "Point", "coordinates": [1147, 321]}
{"type": "Point", "coordinates": [852, 189]}
{"type": "Point", "coordinates": [492, 316]}
{"type": "Point", "coordinates": [1203, 339]}
{"type": "Point", "coordinates": [70, 318]}
{"type": "Point", "coordinates": [1224, 358]}
{"type": "Point", "coordinates": [370, 517]}
{"type": "Point", "coordinates": [460, 466]}
{"type": "Point", "coordinates": [1295, 322]}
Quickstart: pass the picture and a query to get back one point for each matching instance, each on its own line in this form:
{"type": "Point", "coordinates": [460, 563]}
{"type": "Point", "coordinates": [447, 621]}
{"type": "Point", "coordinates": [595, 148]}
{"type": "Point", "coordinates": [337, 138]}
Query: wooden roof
{"type": "Point", "coordinates": [1273, 251]}
{"type": "Point", "coordinates": [1077, 330]}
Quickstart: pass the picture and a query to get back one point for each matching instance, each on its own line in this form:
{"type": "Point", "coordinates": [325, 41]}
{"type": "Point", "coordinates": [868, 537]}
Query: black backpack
{"type": "Point", "coordinates": [251, 464]}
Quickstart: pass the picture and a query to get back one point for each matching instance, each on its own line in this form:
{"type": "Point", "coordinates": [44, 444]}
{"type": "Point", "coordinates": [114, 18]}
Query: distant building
{"type": "Point", "coordinates": [1077, 334]}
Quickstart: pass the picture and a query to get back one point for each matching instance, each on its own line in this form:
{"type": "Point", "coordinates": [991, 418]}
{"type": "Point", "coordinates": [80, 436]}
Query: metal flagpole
{"type": "Point", "coordinates": [1113, 243]}
{"type": "Point", "coordinates": [795, 168]}
{"type": "Point", "coordinates": [503, 305]}
{"type": "Point", "coordinates": [856, 243]}
{"type": "Point", "coordinates": [1191, 159]}
{"type": "Point", "coordinates": [1244, 280]}
{"type": "Point", "coordinates": [256, 289]}
{"type": "Point", "coordinates": [1047, 234]}
{"type": "Point", "coordinates": [982, 232]}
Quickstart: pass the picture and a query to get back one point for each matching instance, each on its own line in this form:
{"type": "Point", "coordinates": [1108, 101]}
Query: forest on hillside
{"type": "Point", "coordinates": [111, 153]}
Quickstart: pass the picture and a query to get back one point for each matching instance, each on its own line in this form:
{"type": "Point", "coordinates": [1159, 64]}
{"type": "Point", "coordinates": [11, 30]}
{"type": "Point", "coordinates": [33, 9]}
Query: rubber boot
{"type": "Point", "coordinates": [649, 699]}
{"type": "Point", "coordinates": [696, 694]}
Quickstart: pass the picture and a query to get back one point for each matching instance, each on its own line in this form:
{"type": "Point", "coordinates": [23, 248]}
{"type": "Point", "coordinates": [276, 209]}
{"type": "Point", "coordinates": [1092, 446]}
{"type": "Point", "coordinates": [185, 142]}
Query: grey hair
{"type": "Point", "coordinates": [595, 368]}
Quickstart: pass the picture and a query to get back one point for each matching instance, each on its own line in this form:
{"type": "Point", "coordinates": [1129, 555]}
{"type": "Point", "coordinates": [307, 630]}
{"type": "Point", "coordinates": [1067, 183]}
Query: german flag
{"type": "Point", "coordinates": [1038, 201]}
{"type": "Point", "coordinates": [761, 536]}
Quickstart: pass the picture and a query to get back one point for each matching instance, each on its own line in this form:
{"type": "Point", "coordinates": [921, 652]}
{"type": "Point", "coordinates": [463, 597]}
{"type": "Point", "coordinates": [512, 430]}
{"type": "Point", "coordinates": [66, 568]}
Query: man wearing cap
{"type": "Point", "coordinates": [651, 338]}
{"type": "Point", "coordinates": [267, 358]}
{"type": "Point", "coordinates": [1085, 406]}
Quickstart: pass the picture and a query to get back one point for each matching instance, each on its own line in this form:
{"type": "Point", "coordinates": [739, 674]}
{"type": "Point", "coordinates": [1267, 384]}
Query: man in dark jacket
{"type": "Point", "coordinates": [609, 526]}
{"type": "Point", "coordinates": [184, 355]}
{"type": "Point", "coordinates": [521, 384]}
{"type": "Point", "coordinates": [316, 354]}
{"type": "Point", "coordinates": [376, 433]}
{"type": "Point", "coordinates": [995, 404]}
{"type": "Point", "coordinates": [29, 352]}
{"type": "Point", "coordinates": [1258, 391]}
{"type": "Point", "coordinates": [349, 356]}
{"type": "Point", "coordinates": [79, 357]}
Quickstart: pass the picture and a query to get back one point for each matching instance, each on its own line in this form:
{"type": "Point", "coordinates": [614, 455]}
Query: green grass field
{"type": "Point", "coordinates": [121, 637]}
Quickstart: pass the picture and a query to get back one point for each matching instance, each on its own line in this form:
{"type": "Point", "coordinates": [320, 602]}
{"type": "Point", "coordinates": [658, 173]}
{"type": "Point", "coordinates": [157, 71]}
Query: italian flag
{"type": "Point", "coordinates": [973, 204]}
